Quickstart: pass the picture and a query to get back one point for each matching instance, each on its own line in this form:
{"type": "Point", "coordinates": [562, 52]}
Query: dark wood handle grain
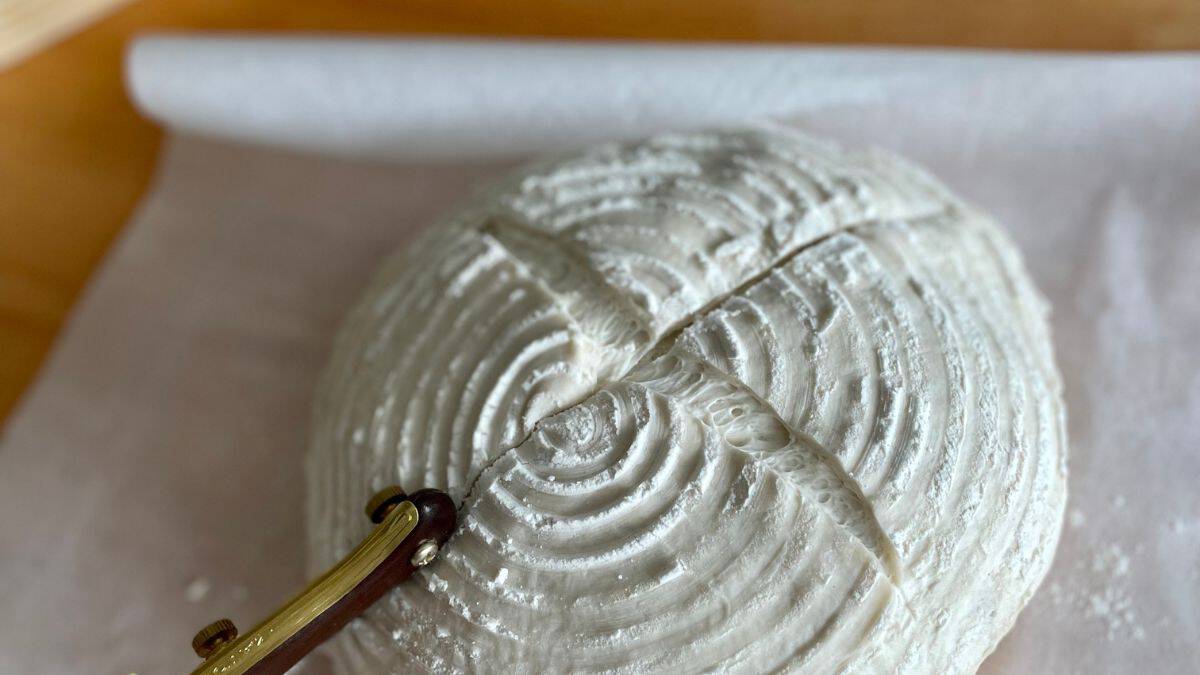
{"type": "Point", "coordinates": [437, 522]}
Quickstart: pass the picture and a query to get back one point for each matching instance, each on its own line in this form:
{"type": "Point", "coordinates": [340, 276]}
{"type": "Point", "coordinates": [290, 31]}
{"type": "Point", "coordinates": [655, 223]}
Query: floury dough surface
{"type": "Point", "coordinates": [737, 401]}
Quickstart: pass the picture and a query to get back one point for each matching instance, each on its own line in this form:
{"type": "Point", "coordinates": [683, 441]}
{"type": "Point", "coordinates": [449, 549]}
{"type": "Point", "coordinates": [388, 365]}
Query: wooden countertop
{"type": "Point", "coordinates": [75, 156]}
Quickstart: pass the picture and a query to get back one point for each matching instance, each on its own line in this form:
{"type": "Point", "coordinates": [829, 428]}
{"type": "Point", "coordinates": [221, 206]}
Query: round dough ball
{"type": "Point", "coordinates": [734, 401]}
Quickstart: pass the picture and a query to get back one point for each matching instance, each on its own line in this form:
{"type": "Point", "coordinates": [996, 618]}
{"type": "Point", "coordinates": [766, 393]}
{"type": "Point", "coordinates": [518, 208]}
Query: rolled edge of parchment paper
{"type": "Point", "coordinates": [439, 98]}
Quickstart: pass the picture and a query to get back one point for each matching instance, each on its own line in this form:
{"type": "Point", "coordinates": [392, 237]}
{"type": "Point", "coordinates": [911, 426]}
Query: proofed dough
{"type": "Point", "coordinates": [734, 401]}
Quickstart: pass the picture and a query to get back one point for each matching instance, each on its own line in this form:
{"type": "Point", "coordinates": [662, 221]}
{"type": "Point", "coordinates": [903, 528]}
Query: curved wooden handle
{"type": "Point", "coordinates": [410, 530]}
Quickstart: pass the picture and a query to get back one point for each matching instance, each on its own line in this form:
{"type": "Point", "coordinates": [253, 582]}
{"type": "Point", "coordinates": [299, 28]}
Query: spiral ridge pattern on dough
{"type": "Point", "coordinates": [736, 401]}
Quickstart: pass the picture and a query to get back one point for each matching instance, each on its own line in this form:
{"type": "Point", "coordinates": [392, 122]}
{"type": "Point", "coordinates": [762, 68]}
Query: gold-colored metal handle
{"type": "Point", "coordinates": [409, 532]}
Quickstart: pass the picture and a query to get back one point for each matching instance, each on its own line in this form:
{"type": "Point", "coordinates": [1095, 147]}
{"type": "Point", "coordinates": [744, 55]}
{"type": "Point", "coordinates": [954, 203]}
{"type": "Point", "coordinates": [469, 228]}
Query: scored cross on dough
{"type": "Point", "coordinates": [744, 401]}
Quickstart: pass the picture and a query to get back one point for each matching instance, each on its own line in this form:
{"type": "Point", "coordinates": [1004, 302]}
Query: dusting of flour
{"type": "Point", "coordinates": [736, 401]}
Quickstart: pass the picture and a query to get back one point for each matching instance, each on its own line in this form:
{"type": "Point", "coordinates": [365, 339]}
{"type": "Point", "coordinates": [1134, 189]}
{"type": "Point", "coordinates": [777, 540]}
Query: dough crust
{"type": "Point", "coordinates": [738, 401]}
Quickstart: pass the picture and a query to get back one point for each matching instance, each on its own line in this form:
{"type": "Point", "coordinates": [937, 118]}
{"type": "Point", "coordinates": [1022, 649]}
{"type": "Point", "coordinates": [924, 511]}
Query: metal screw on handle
{"type": "Point", "coordinates": [425, 553]}
{"type": "Point", "coordinates": [214, 636]}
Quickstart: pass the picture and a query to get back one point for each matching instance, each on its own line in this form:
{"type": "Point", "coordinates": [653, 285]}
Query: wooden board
{"type": "Point", "coordinates": [28, 25]}
{"type": "Point", "coordinates": [74, 155]}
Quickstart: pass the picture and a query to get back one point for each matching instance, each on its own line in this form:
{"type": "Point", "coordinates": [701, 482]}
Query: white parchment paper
{"type": "Point", "coordinates": [150, 481]}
